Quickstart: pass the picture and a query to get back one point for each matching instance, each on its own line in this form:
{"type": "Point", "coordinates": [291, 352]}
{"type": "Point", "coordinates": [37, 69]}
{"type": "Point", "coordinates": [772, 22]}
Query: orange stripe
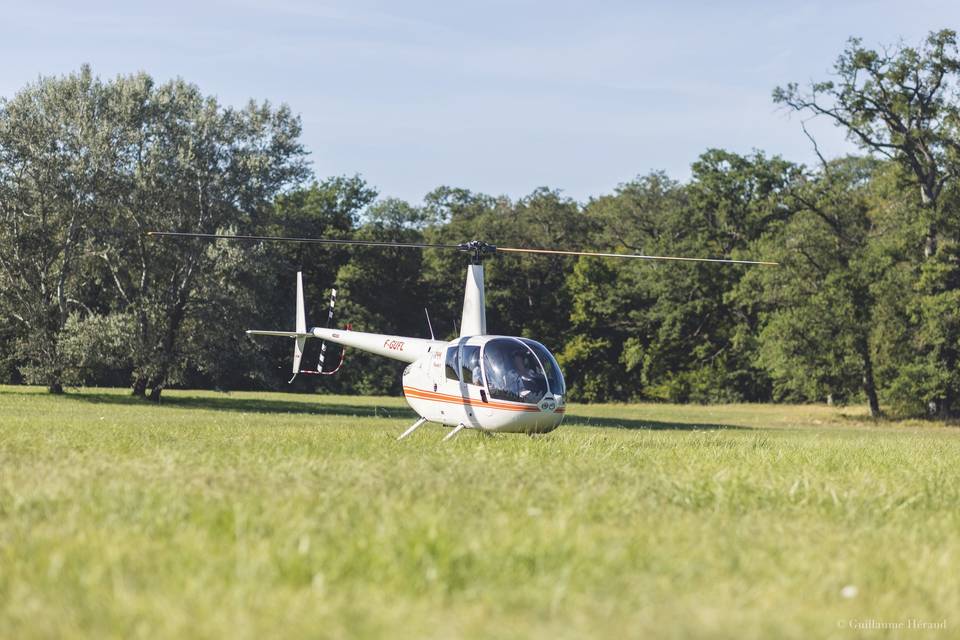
{"type": "Point", "coordinates": [439, 397]}
{"type": "Point", "coordinates": [423, 394]}
{"type": "Point", "coordinates": [468, 402]}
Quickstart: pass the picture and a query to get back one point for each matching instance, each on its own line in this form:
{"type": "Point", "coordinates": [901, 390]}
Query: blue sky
{"type": "Point", "coordinates": [499, 97]}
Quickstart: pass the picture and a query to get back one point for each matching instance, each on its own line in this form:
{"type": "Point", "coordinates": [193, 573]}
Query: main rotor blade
{"type": "Point", "coordinates": [365, 243]}
{"type": "Point", "coordinates": [478, 246]}
{"type": "Point", "coordinates": [632, 255]}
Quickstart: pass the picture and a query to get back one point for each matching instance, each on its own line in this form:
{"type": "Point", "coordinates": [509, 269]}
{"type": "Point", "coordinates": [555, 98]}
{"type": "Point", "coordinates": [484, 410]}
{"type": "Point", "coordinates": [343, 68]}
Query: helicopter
{"type": "Point", "coordinates": [489, 383]}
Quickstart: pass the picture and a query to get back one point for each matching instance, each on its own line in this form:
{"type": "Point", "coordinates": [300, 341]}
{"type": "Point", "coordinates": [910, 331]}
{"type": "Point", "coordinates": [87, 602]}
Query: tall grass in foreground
{"type": "Point", "coordinates": [256, 514]}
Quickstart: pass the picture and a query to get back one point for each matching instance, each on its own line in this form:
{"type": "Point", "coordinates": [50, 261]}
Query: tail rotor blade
{"type": "Point", "coordinates": [323, 344]}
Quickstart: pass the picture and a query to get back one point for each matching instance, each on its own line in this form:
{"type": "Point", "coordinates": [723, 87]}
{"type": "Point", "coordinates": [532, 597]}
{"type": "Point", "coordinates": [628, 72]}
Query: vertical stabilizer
{"type": "Point", "coordinates": [301, 315]}
{"type": "Point", "coordinates": [474, 320]}
{"type": "Point", "coordinates": [301, 340]}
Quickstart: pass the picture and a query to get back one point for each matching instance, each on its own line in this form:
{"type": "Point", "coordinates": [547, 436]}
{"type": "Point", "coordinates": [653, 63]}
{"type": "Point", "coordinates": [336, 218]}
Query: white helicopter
{"type": "Point", "coordinates": [491, 383]}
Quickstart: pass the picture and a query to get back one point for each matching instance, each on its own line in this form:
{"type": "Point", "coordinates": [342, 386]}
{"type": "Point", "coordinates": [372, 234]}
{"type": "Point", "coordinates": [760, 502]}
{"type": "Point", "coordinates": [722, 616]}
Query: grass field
{"type": "Point", "coordinates": [262, 515]}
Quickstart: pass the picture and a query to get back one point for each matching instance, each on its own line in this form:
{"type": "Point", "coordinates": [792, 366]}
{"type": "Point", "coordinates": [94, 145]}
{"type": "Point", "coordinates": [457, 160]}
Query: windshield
{"type": "Point", "coordinates": [554, 376]}
{"type": "Point", "coordinates": [513, 371]}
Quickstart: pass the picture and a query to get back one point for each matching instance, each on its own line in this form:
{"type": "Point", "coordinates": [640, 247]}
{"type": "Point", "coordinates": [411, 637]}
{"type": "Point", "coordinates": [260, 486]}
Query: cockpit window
{"type": "Point", "coordinates": [453, 363]}
{"type": "Point", "coordinates": [470, 365]}
{"type": "Point", "coordinates": [554, 376]}
{"type": "Point", "coordinates": [513, 371]}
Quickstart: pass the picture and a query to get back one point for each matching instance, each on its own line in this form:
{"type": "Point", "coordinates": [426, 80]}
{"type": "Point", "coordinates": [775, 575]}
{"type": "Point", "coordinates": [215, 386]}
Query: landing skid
{"type": "Point", "coordinates": [419, 423]}
{"type": "Point", "coordinates": [416, 425]}
{"type": "Point", "coordinates": [460, 427]}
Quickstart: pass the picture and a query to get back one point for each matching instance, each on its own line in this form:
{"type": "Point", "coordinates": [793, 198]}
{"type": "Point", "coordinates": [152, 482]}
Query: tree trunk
{"type": "Point", "coordinates": [55, 388]}
{"type": "Point", "coordinates": [140, 387]}
{"type": "Point", "coordinates": [942, 407]}
{"type": "Point", "coordinates": [930, 242]}
{"type": "Point", "coordinates": [165, 355]}
{"type": "Point", "coordinates": [869, 384]}
{"type": "Point", "coordinates": [870, 388]}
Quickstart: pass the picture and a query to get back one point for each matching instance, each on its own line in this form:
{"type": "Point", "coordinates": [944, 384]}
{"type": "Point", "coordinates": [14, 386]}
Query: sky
{"type": "Point", "coordinates": [500, 97]}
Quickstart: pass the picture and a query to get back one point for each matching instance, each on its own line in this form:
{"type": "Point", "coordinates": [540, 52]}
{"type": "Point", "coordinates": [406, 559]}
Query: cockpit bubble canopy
{"type": "Point", "coordinates": [520, 370]}
{"type": "Point", "coordinates": [550, 366]}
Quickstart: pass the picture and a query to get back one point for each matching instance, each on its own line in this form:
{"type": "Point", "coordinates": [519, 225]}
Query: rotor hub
{"type": "Point", "coordinates": [479, 249]}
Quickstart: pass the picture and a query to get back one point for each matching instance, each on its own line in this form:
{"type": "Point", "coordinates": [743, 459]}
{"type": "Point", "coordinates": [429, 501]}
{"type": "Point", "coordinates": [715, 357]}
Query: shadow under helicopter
{"type": "Point", "coordinates": [272, 406]}
{"type": "Point", "coordinates": [248, 405]}
{"type": "Point", "coordinates": [573, 420]}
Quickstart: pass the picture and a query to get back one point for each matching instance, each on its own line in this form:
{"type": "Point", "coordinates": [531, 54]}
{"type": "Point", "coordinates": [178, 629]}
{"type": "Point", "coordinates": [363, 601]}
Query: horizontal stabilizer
{"type": "Point", "coordinates": [288, 334]}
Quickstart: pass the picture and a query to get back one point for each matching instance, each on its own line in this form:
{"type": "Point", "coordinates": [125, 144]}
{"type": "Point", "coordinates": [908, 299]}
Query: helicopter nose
{"type": "Point", "coordinates": [548, 404]}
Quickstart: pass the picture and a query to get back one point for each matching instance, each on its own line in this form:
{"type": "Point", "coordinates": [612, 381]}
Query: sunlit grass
{"type": "Point", "coordinates": [255, 514]}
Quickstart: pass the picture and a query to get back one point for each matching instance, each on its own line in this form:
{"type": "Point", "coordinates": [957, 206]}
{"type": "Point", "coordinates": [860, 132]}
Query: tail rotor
{"type": "Point", "coordinates": [323, 345]}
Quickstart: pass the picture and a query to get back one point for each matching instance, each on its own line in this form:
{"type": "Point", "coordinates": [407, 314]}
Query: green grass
{"type": "Point", "coordinates": [257, 515]}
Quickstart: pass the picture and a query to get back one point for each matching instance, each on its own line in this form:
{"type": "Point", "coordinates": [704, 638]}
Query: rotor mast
{"type": "Point", "coordinates": [473, 322]}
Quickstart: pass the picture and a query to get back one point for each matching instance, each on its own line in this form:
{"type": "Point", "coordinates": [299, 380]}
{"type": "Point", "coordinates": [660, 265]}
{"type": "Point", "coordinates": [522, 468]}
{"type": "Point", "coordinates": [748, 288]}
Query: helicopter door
{"type": "Point", "coordinates": [470, 371]}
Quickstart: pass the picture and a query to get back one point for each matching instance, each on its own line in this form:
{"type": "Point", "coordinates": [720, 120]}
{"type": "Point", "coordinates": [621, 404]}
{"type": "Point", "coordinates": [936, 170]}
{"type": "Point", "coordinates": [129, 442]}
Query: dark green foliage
{"type": "Point", "coordinates": [56, 159]}
{"type": "Point", "coordinates": [97, 348]}
{"type": "Point", "coordinates": [901, 104]}
{"type": "Point", "coordinates": [380, 292]}
{"type": "Point", "coordinates": [818, 306]}
{"type": "Point", "coordinates": [88, 167]}
{"type": "Point", "coordinates": [669, 325]}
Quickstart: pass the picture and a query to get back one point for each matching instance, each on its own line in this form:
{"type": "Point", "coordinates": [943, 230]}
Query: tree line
{"type": "Point", "coordinates": [864, 307]}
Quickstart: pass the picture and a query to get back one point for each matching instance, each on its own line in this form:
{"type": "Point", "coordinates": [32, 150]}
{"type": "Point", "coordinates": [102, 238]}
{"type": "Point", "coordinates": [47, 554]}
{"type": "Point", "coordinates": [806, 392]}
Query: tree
{"type": "Point", "coordinates": [817, 308]}
{"type": "Point", "coordinates": [674, 327]}
{"type": "Point", "coordinates": [57, 165]}
{"type": "Point", "coordinates": [189, 165]}
{"type": "Point", "coordinates": [528, 293]}
{"type": "Point", "coordinates": [612, 301]}
{"type": "Point", "coordinates": [381, 291]}
{"type": "Point", "coordinates": [901, 103]}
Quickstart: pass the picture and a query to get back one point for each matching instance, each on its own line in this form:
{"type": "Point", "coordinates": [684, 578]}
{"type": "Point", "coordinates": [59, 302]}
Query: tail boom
{"type": "Point", "coordinates": [395, 347]}
{"type": "Point", "coordinates": [399, 348]}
